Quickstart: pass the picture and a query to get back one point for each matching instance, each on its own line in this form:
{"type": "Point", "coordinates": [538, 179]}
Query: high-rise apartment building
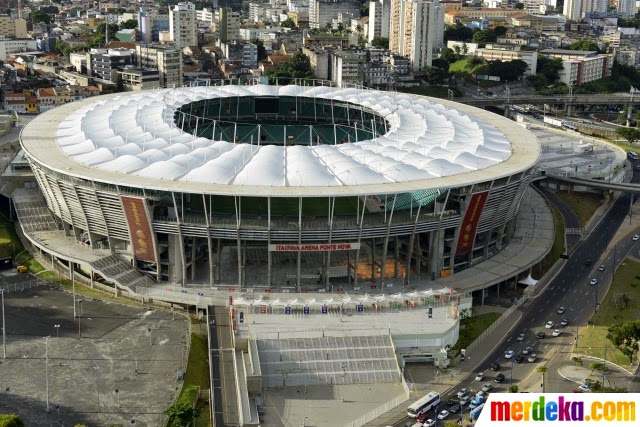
{"type": "Point", "coordinates": [628, 8]}
{"type": "Point", "coordinates": [227, 24]}
{"type": "Point", "coordinates": [103, 63]}
{"type": "Point", "coordinates": [417, 27]}
{"type": "Point", "coordinates": [323, 12]}
{"type": "Point", "coordinates": [379, 18]}
{"type": "Point", "coordinates": [167, 59]}
{"type": "Point", "coordinates": [574, 10]}
{"type": "Point", "coordinates": [183, 27]}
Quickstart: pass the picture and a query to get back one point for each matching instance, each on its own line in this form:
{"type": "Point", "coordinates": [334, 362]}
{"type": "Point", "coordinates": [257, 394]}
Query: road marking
{"type": "Point", "coordinates": [546, 346]}
{"type": "Point", "coordinates": [541, 309]}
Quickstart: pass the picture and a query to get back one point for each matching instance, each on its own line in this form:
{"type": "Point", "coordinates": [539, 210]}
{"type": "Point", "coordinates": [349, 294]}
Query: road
{"type": "Point", "coordinates": [569, 289]}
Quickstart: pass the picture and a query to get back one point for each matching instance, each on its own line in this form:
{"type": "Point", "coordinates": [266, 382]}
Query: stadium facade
{"type": "Point", "coordinates": [300, 186]}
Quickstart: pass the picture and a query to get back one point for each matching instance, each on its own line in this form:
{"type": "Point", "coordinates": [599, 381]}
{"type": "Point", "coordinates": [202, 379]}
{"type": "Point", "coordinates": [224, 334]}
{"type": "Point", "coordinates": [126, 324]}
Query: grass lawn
{"type": "Point", "coordinates": [558, 245]}
{"type": "Point", "coordinates": [473, 327]}
{"type": "Point", "coordinates": [583, 204]}
{"type": "Point", "coordinates": [197, 376]}
{"type": "Point", "coordinates": [592, 340]}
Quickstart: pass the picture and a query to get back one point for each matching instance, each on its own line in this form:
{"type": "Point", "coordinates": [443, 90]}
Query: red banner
{"type": "Point", "coordinates": [470, 223]}
{"type": "Point", "coordinates": [139, 228]}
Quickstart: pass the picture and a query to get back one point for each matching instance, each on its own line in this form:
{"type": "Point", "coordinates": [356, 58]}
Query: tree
{"type": "Point", "coordinates": [40, 16]}
{"type": "Point", "coordinates": [483, 37]}
{"type": "Point", "coordinates": [513, 388]}
{"type": "Point", "coordinates": [129, 24]}
{"type": "Point", "coordinates": [288, 23]}
{"type": "Point", "coordinates": [509, 71]}
{"type": "Point", "coordinates": [448, 55]}
{"type": "Point", "coordinates": [297, 67]}
{"type": "Point", "coordinates": [625, 336]}
{"type": "Point", "coordinates": [380, 42]}
{"type": "Point", "coordinates": [435, 75]}
{"type": "Point", "coordinates": [262, 52]}
{"type": "Point", "coordinates": [451, 423]}
{"type": "Point", "coordinates": [181, 413]}
{"type": "Point", "coordinates": [550, 68]}
{"type": "Point", "coordinates": [458, 33]}
{"type": "Point", "coordinates": [577, 360]}
{"type": "Point", "coordinates": [597, 387]}
{"type": "Point", "coordinates": [11, 420]}
{"type": "Point", "coordinates": [519, 6]}
{"type": "Point", "coordinates": [630, 134]}
{"type": "Point", "coordinates": [500, 30]}
{"type": "Point", "coordinates": [596, 366]}
{"type": "Point", "coordinates": [99, 36]}
{"type": "Point", "coordinates": [585, 45]}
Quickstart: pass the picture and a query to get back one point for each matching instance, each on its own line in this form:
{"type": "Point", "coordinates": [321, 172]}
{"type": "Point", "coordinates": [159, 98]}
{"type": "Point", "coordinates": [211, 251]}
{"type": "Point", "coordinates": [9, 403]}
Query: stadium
{"type": "Point", "coordinates": [303, 186]}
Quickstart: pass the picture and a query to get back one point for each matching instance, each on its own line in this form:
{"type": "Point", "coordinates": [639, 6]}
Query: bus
{"type": "Point", "coordinates": [423, 405]}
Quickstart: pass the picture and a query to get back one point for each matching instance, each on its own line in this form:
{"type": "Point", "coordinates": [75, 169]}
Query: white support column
{"type": "Point", "coordinates": [386, 242]}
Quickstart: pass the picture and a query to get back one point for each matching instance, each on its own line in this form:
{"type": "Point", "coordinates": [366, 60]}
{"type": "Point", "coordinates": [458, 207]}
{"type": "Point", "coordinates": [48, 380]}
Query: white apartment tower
{"type": "Point", "coordinates": [628, 8]}
{"type": "Point", "coordinates": [574, 10]}
{"type": "Point", "coordinates": [183, 27]}
{"type": "Point", "coordinates": [417, 27]}
{"type": "Point", "coordinates": [379, 18]}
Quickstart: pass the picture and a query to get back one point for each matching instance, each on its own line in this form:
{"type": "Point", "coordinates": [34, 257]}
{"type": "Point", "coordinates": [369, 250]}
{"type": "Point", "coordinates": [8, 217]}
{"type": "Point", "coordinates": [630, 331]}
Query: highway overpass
{"type": "Point", "coordinates": [627, 187]}
{"type": "Point", "coordinates": [592, 99]}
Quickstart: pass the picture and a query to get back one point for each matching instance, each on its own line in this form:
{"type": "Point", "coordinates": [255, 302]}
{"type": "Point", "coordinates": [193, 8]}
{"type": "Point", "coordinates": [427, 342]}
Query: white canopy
{"type": "Point", "coordinates": [528, 281]}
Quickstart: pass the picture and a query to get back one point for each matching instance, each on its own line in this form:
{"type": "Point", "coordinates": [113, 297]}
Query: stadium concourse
{"type": "Point", "coordinates": [332, 224]}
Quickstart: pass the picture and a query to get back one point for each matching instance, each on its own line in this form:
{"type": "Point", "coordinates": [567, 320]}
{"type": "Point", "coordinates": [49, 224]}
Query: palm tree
{"type": "Point", "coordinates": [542, 370]}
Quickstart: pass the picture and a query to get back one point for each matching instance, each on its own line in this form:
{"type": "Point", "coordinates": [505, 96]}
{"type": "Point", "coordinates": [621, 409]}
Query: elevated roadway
{"type": "Point", "coordinates": [626, 187]}
{"type": "Point", "coordinates": [591, 99]}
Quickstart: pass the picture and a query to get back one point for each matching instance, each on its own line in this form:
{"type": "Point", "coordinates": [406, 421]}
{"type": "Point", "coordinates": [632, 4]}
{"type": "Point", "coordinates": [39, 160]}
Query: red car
{"type": "Point", "coordinates": [422, 418]}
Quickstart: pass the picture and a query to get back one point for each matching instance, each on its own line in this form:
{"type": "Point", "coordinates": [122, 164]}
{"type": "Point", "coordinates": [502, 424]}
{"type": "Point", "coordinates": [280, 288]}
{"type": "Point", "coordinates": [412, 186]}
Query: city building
{"type": "Point", "coordinates": [227, 24]}
{"type": "Point", "coordinates": [575, 10]}
{"type": "Point", "coordinates": [581, 67]}
{"type": "Point", "coordinates": [46, 98]}
{"type": "Point", "coordinates": [628, 8]}
{"type": "Point", "coordinates": [102, 63]}
{"type": "Point", "coordinates": [183, 27]}
{"type": "Point", "coordinates": [138, 78]}
{"type": "Point", "coordinates": [347, 66]}
{"type": "Point", "coordinates": [247, 53]}
{"type": "Point", "coordinates": [205, 18]}
{"type": "Point", "coordinates": [166, 59]}
{"type": "Point", "coordinates": [144, 26]}
{"type": "Point", "coordinates": [9, 46]}
{"type": "Point", "coordinates": [379, 18]}
{"type": "Point", "coordinates": [402, 195]}
{"type": "Point", "coordinates": [10, 27]}
{"type": "Point", "coordinates": [509, 52]}
{"type": "Point", "coordinates": [323, 12]}
{"type": "Point", "coordinates": [416, 29]}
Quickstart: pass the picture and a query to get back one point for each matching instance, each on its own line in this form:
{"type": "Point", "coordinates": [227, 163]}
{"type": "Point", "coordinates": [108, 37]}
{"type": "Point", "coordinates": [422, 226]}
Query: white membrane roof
{"type": "Point", "coordinates": [131, 139]}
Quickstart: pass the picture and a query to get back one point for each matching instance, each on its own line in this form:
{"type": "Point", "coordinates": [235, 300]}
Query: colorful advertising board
{"type": "Point", "coordinates": [139, 228]}
{"type": "Point", "coordinates": [470, 223]}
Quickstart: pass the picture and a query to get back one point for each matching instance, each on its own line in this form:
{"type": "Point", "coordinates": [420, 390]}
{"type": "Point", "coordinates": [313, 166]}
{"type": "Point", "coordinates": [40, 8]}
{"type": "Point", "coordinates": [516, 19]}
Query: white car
{"type": "Point", "coordinates": [487, 387]}
{"type": "Point", "coordinates": [480, 376]}
{"type": "Point", "coordinates": [464, 400]}
{"type": "Point", "coordinates": [462, 392]}
{"type": "Point", "coordinates": [442, 415]}
{"type": "Point", "coordinates": [429, 423]}
{"type": "Point", "coordinates": [549, 324]}
{"type": "Point", "coordinates": [532, 357]}
{"type": "Point", "coordinates": [520, 338]}
{"type": "Point", "coordinates": [593, 282]}
{"type": "Point", "coordinates": [556, 333]}
{"type": "Point", "coordinates": [564, 322]}
{"type": "Point", "coordinates": [561, 310]}
{"type": "Point", "coordinates": [508, 354]}
{"type": "Point", "coordinates": [636, 238]}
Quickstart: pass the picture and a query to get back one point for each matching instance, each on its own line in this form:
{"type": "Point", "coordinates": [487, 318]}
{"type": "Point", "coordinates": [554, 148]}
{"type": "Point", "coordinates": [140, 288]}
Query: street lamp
{"type": "Point", "coordinates": [57, 328]}
{"type": "Point", "coordinates": [150, 342]}
{"type": "Point", "coordinates": [4, 327]}
{"type": "Point", "coordinates": [118, 397]}
{"type": "Point", "coordinates": [46, 368]}
{"type": "Point", "coordinates": [79, 320]}
{"type": "Point", "coordinates": [511, 376]}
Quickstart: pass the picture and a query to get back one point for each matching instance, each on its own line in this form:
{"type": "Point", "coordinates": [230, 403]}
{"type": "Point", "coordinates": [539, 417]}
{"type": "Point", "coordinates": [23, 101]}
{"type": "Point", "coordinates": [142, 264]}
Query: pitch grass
{"type": "Point", "coordinates": [593, 338]}
{"type": "Point", "coordinates": [583, 204]}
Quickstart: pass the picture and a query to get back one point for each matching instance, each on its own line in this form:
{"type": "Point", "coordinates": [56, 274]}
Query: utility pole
{"type": "Point", "coordinates": [73, 287]}
{"type": "Point", "coordinates": [4, 328]}
{"type": "Point", "coordinates": [46, 367]}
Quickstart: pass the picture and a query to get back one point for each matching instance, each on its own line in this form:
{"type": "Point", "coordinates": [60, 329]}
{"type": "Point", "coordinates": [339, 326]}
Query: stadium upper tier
{"type": "Point", "coordinates": [279, 141]}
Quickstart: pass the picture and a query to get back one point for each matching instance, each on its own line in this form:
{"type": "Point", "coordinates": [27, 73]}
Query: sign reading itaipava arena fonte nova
{"type": "Point", "coordinates": [314, 247]}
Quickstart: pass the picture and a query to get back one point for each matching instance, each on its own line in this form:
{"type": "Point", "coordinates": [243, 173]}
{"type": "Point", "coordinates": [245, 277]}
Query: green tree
{"type": "Point", "coordinates": [180, 414]}
{"type": "Point", "coordinates": [483, 37]}
{"type": "Point", "coordinates": [519, 6]}
{"type": "Point", "coordinates": [597, 387]}
{"type": "Point", "coordinates": [508, 70]}
{"type": "Point", "coordinates": [577, 360]}
{"type": "Point", "coordinates": [40, 16]}
{"type": "Point", "coordinates": [550, 68]}
{"type": "Point", "coordinates": [500, 30]}
{"type": "Point", "coordinates": [11, 420]}
{"type": "Point", "coordinates": [99, 36]}
{"type": "Point", "coordinates": [625, 336]}
{"type": "Point", "coordinates": [435, 75]}
{"type": "Point", "coordinates": [380, 42]}
{"type": "Point", "coordinates": [288, 23]}
{"type": "Point", "coordinates": [448, 55]}
{"type": "Point", "coordinates": [585, 45]}
{"type": "Point", "coordinates": [262, 52]}
{"type": "Point", "coordinates": [631, 135]}
{"type": "Point", "coordinates": [451, 423]}
{"type": "Point", "coordinates": [129, 24]}
{"type": "Point", "coordinates": [458, 33]}
{"type": "Point", "coordinates": [596, 366]}
{"type": "Point", "coordinates": [513, 388]}
{"type": "Point", "coordinates": [297, 67]}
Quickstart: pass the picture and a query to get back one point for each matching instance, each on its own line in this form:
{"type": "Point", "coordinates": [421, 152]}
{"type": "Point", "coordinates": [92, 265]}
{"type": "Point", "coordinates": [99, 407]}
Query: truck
{"type": "Point", "coordinates": [475, 414]}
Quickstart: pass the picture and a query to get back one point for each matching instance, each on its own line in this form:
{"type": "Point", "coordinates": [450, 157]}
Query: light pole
{"type": "Point", "coordinates": [4, 327]}
{"type": "Point", "coordinates": [25, 357]}
{"type": "Point", "coordinates": [118, 397]}
{"type": "Point", "coordinates": [73, 287]}
{"type": "Point", "coordinates": [511, 376]}
{"type": "Point", "coordinates": [46, 367]}
{"type": "Point", "coordinates": [450, 92]}
{"type": "Point", "coordinates": [57, 327]}
{"type": "Point", "coordinates": [79, 318]}
{"type": "Point", "coordinates": [150, 342]}
{"type": "Point", "coordinates": [604, 368]}
{"type": "Point", "coordinates": [508, 91]}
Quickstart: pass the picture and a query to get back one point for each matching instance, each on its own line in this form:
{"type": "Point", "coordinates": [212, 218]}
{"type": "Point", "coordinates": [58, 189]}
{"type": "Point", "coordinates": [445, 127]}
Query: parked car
{"type": "Point", "coordinates": [499, 378]}
{"type": "Point", "coordinates": [454, 409]}
{"type": "Point", "coordinates": [636, 238]}
{"type": "Point", "coordinates": [587, 262]}
{"type": "Point", "coordinates": [464, 400]}
{"type": "Point", "coordinates": [480, 376]}
{"type": "Point", "coordinates": [423, 417]}
{"type": "Point", "coordinates": [549, 325]}
{"type": "Point", "coordinates": [532, 357]}
{"type": "Point", "coordinates": [556, 333]}
{"type": "Point", "coordinates": [495, 366]}
{"type": "Point", "coordinates": [564, 322]}
{"type": "Point", "coordinates": [429, 423]}
{"type": "Point", "coordinates": [520, 338]}
{"type": "Point", "coordinates": [527, 350]}
{"type": "Point", "coordinates": [540, 335]}
{"type": "Point", "coordinates": [452, 402]}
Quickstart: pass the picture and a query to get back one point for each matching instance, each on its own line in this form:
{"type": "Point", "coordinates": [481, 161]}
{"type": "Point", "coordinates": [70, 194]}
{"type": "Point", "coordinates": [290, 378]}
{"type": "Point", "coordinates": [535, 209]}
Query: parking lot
{"type": "Point", "coordinates": [114, 364]}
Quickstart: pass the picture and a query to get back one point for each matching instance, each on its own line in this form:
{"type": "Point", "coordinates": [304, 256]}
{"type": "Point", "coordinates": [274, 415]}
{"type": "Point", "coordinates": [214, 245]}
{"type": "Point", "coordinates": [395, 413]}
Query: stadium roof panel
{"type": "Point", "coordinates": [132, 140]}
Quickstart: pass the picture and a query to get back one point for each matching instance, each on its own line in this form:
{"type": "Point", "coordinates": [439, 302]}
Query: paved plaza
{"type": "Point", "coordinates": [128, 349]}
